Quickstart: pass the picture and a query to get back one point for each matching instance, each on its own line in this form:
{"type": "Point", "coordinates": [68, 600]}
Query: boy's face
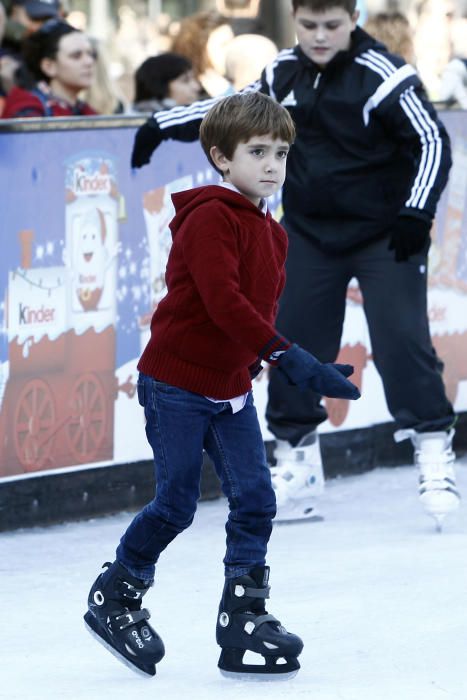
{"type": "Point", "coordinates": [322, 35]}
{"type": "Point", "coordinates": [257, 167]}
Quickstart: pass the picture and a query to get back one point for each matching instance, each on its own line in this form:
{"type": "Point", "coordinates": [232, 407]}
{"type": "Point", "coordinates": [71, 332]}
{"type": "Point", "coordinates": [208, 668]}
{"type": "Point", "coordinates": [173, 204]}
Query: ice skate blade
{"type": "Point", "coordinates": [296, 512]}
{"type": "Point", "coordinates": [145, 670]}
{"type": "Point", "coordinates": [439, 507]}
{"type": "Point", "coordinates": [249, 676]}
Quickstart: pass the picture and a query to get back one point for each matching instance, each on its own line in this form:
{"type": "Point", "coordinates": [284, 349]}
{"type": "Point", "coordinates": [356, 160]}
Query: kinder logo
{"type": "Point", "coordinates": [29, 316]}
{"type": "Point", "coordinates": [91, 183]}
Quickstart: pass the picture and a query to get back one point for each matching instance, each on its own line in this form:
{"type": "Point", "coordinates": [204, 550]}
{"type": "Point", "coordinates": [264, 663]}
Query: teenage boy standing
{"type": "Point", "coordinates": [208, 336]}
{"type": "Point", "coordinates": [364, 176]}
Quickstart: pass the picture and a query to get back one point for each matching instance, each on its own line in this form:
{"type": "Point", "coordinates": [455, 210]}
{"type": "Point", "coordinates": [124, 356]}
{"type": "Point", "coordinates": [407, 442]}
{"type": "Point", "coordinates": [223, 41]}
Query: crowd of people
{"type": "Point", "coordinates": [50, 66]}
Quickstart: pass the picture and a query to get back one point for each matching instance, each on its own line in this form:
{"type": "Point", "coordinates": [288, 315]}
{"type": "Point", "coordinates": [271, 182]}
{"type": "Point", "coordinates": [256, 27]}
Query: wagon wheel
{"type": "Point", "coordinates": [86, 427]}
{"type": "Point", "coordinates": [34, 425]}
{"type": "Point", "coordinates": [337, 410]}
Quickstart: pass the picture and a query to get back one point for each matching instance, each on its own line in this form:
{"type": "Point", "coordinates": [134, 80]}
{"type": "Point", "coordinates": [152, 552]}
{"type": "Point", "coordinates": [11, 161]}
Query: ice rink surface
{"type": "Point", "coordinates": [378, 596]}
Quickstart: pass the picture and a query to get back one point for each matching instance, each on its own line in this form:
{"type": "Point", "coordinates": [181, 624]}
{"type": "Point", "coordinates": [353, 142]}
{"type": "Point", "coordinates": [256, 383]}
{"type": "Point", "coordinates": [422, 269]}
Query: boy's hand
{"type": "Point", "coordinates": [302, 369]}
{"type": "Point", "coordinates": [147, 139]}
{"type": "Point", "coordinates": [409, 236]}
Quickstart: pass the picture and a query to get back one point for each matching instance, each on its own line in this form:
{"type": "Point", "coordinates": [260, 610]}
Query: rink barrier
{"type": "Point", "coordinates": [71, 334]}
{"type": "Point", "coordinates": [80, 494]}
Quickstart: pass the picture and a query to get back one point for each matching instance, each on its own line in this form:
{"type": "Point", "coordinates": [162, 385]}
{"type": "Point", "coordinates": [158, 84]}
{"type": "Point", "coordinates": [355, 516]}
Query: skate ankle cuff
{"type": "Point", "coordinates": [241, 591]}
{"type": "Point", "coordinates": [132, 591]}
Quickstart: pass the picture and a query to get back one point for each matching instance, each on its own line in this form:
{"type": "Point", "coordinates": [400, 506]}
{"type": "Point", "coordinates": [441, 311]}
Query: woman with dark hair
{"type": "Point", "coordinates": [164, 81]}
{"type": "Point", "coordinates": [58, 63]}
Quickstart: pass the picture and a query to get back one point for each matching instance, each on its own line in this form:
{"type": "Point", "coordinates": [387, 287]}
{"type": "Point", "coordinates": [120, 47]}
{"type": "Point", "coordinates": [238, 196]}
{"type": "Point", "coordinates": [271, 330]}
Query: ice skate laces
{"type": "Point", "coordinates": [436, 469]}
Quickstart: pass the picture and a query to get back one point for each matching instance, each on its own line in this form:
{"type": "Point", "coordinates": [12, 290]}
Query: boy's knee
{"type": "Point", "coordinates": [178, 518]}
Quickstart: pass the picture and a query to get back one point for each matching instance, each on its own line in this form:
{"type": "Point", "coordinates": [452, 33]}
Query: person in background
{"type": "Point", "coordinates": [246, 56]}
{"type": "Point", "coordinates": [394, 31]}
{"type": "Point", "coordinates": [364, 177]}
{"type": "Point", "coordinates": [103, 95]}
{"type": "Point", "coordinates": [164, 81]}
{"type": "Point", "coordinates": [25, 17]}
{"type": "Point", "coordinates": [20, 18]}
{"type": "Point", "coordinates": [453, 86]}
{"type": "Point", "coordinates": [31, 14]}
{"type": "Point", "coordinates": [59, 63]}
{"type": "Point", "coordinates": [204, 38]}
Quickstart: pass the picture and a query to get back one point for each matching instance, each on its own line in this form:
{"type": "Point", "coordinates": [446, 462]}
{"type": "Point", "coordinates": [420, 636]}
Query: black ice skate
{"type": "Point", "coordinates": [115, 618]}
{"type": "Point", "coordinates": [243, 624]}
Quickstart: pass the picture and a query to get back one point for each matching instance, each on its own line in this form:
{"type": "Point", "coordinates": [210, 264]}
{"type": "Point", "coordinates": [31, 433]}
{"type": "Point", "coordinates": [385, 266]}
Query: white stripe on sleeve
{"type": "Point", "coordinates": [382, 60]}
{"type": "Point", "coordinates": [372, 66]}
{"type": "Point", "coordinates": [428, 131]}
{"type": "Point", "coordinates": [180, 115]}
{"type": "Point", "coordinates": [285, 55]}
{"type": "Point", "coordinates": [385, 89]}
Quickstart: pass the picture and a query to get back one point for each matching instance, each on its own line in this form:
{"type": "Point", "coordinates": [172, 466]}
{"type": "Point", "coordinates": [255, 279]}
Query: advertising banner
{"type": "Point", "coordinates": [84, 243]}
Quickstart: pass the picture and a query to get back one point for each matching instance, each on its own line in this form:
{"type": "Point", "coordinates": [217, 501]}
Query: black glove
{"type": "Point", "coordinates": [147, 139]}
{"type": "Point", "coordinates": [409, 236]}
{"type": "Point", "coordinates": [305, 371]}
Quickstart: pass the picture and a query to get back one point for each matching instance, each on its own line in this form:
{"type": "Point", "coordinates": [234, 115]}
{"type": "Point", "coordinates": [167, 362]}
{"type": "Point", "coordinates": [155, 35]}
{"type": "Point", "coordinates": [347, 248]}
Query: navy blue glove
{"type": "Point", "coordinates": [409, 236]}
{"type": "Point", "coordinates": [306, 372]}
{"type": "Point", "coordinates": [147, 139]}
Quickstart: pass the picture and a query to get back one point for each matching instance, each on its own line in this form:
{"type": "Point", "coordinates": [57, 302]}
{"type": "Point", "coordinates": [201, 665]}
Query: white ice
{"type": "Point", "coordinates": [378, 596]}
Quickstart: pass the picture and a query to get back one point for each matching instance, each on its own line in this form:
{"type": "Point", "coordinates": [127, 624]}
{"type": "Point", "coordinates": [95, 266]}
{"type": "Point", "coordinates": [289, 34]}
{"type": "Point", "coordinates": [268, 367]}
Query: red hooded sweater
{"type": "Point", "coordinates": [224, 276]}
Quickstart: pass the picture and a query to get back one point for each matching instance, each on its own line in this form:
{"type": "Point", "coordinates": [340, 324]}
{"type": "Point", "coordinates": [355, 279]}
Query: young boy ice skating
{"type": "Point", "coordinates": [209, 334]}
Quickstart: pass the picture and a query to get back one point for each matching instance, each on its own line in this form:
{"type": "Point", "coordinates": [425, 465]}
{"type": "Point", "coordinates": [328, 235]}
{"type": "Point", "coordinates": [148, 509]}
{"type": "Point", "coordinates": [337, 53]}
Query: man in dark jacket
{"type": "Point", "coordinates": [364, 176]}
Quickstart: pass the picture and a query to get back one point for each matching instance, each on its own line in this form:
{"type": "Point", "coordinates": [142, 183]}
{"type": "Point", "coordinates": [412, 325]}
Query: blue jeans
{"type": "Point", "coordinates": [179, 424]}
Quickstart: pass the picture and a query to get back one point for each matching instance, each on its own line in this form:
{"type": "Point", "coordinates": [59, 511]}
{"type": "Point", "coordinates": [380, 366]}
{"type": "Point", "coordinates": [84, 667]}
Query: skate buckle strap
{"type": "Point", "coordinates": [253, 625]}
{"type": "Point", "coordinates": [131, 618]}
{"type": "Point", "coordinates": [241, 591]}
{"type": "Point", "coordinates": [130, 591]}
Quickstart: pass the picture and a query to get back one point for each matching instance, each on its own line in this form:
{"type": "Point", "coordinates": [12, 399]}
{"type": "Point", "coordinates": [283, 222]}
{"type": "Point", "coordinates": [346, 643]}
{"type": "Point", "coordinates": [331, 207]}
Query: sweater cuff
{"type": "Point", "coordinates": [273, 350]}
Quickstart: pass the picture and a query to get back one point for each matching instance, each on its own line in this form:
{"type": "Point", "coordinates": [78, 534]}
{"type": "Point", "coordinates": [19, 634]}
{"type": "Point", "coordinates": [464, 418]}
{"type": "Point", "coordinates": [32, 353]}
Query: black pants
{"type": "Point", "coordinates": [312, 313]}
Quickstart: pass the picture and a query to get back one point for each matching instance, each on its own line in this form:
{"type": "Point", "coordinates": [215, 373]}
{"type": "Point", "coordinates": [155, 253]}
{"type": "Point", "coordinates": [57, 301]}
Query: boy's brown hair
{"type": "Point", "coordinates": [237, 118]}
{"type": "Point", "coordinates": [324, 5]}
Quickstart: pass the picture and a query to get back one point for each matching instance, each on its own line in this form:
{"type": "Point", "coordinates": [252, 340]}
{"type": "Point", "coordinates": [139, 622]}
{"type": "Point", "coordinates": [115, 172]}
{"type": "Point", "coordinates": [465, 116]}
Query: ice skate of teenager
{"type": "Point", "coordinates": [434, 457]}
{"type": "Point", "coordinates": [117, 621]}
{"type": "Point", "coordinates": [244, 625]}
{"type": "Point", "coordinates": [298, 479]}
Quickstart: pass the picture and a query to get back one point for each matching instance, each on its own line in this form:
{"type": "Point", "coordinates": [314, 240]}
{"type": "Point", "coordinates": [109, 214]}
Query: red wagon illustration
{"type": "Point", "coordinates": [57, 405]}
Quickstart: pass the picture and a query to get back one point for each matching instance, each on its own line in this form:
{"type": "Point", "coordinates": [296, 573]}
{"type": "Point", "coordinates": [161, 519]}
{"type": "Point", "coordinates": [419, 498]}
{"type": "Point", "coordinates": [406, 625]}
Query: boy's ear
{"type": "Point", "coordinates": [219, 159]}
{"type": "Point", "coordinates": [355, 18]}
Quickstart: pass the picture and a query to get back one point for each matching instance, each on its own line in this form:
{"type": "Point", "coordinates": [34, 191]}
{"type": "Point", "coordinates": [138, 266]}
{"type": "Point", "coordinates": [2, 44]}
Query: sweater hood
{"type": "Point", "coordinates": [187, 201]}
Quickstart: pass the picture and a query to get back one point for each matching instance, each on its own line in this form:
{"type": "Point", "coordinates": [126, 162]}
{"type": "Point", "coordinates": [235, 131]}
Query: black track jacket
{"type": "Point", "coordinates": [369, 144]}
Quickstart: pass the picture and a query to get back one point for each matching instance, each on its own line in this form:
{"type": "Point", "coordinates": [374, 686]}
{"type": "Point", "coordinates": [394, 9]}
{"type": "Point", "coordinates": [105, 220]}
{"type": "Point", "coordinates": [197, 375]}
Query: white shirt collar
{"type": "Point", "coordinates": [263, 205]}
